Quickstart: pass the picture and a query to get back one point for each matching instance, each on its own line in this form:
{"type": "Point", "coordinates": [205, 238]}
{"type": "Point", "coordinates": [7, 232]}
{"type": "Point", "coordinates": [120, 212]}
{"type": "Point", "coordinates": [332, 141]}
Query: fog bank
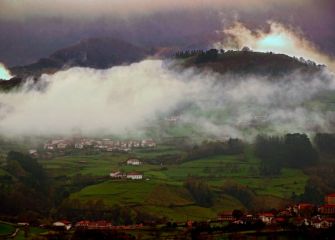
{"type": "Point", "coordinates": [129, 99]}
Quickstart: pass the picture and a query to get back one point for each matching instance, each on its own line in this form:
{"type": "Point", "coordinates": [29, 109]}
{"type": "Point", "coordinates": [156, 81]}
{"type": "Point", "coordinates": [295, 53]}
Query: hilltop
{"type": "Point", "coordinates": [246, 62]}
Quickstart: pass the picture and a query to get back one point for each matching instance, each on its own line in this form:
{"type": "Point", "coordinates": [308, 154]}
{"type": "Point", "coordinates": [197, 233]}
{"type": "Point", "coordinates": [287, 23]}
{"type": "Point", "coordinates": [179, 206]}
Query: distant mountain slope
{"type": "Point", "coordinates": [95, 53]}
{"type": "Point", "coordinates": [247, 62]}
{"type": "Point", "coordinates": [99, 53]}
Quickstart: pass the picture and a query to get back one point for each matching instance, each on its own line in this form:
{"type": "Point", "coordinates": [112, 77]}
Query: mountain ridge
{"type": "Point", "coordinates": [99, 53]}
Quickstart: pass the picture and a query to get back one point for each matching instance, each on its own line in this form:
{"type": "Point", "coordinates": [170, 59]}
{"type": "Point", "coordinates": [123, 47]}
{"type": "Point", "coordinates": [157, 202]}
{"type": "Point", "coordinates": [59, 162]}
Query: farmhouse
{"type": "Point", "coordinates": [327, 209]}
{"type": "Point", "coordinates": [64, 224]}
{"type": "Point", "coordinates": [117, 175]}
{"type": "Point", "coordinates": [82, 224]}
{"type": "Point", "coordinates": [33, 152]}
{"type": "Point", "coordinates": [134, 176]}
{"type": "Point", "coordinates": [134, 162]}
{"type": "Point", "coordinates": [226, 216]}
{"type": "Point", "coordinates": [23, 224]}
{"type": "Point", "coordinates": [266, 217]}
{"type": "Point", "coordinates": [49, 147]}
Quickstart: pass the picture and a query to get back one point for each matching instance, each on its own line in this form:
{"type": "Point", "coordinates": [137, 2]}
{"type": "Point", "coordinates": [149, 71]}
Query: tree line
{"type": "Point", "coordinates": [291, 151]}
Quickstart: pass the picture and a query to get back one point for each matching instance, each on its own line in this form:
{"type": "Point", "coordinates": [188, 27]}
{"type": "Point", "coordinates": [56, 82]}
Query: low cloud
{"type": "Point", "coordinates": [129, 99]}
{"type": "Point", "coordinates": [277, 38]}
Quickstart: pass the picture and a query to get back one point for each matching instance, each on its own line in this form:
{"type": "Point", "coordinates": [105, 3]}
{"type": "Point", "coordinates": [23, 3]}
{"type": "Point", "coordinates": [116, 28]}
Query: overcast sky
{"type": "Point", "coordinates": [86, 9]}
{"type": "Point", "coordinates": [32, 29]}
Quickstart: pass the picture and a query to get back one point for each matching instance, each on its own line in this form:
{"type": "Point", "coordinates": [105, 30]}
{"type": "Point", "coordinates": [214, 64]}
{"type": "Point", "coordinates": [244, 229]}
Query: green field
{"type": "Point", "coordinates": [159, 199]}
{"type": "Point", "coordinates": [33, 232]}
{"type": "Point", "coordinates": [101, 164]}
{"type": "Point", "coordinates": [97, 165]}
{"type": "Point", "coordinates": [9, 228]}
{"type": "Point", "coordinates": [6, 228]}
{"type": "Point", "coordinates": [161, 192]}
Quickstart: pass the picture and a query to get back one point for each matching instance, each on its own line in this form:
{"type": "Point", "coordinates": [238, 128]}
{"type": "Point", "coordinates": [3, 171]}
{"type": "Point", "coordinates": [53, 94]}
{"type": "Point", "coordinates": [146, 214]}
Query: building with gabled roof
{"type": "Point", "coordinates": [134, 176]}
{"type": "Point", "coordinates": [134, 162]}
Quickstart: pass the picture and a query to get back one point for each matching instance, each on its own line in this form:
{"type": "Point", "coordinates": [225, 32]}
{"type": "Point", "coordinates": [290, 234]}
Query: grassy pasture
{"type": "Point", "coordinates": [6, 228]}
{"type": "Point", "coordinates": [101, 164]}
{"type": "Point", "coordinates": [162, 191]}
{"type": "Point", "coordinates": [173, 202]}
{"type": "Point", "coordinates": [121, 192]}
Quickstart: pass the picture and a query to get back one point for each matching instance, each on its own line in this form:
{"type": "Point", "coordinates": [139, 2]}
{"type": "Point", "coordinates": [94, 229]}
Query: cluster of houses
{"type": "Point", "coordinates": [92, 225]}
{"type": "Point", "coordinates": [107, 144]}
{"type": "Point", "coordinates": [131, 175]}
{"type": "Point", "coordinates": [302, 214]}
{"type": "Point", "coordinates": [104, 225]}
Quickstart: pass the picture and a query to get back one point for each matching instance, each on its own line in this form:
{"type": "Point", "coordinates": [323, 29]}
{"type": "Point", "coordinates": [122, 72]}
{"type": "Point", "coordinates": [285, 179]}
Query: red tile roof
{"type": "Point", "coordinates": [66, 222]}
{"type": "Point", "coordinates": [280, 219]}
{"type": "Point", "coordinates": [328, 206]}
{"type": "Point", "coordinates": [266, 214]}
{"type": "Point", "coordinates": [305, 205]}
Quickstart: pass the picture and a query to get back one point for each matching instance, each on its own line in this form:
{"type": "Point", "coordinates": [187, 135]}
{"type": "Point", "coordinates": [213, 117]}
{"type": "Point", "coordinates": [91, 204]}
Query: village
{"type": "Point", "coordinates": [103, 145]}
{"type": "Point", "coordinates": [301, 218]}
{"type": "Point", "coordinates": [299, 215]}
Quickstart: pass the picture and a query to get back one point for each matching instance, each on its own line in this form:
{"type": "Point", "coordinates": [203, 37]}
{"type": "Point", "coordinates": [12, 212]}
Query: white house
{"type": "Point", "coordinates": [22, 224]}
{"type": "Point", "coordinates": [62, 225]}
{"type": "Point", "coordinates": [117, 175]}
{"type": "Point", "coordinates": [148, 143]}
{"type": "Point", "coordinates": [134, 162]}
{"type": "Point", "coordinates": [33, 152]}
{"type": "Point", "coordinates": [134, 176]}
{"type": "Point", "coordinates": [79, 146]}
{"type": "Point", "coordinates": [62, 145]}
{"type": "Point", "coordinates": [49, 146]}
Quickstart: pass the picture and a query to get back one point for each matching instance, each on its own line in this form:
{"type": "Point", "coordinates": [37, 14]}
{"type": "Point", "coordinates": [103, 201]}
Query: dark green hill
{"type": "Point", "coordinates": [246, 62]}
{"type": "Point", "coordinates": [103, 53]}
